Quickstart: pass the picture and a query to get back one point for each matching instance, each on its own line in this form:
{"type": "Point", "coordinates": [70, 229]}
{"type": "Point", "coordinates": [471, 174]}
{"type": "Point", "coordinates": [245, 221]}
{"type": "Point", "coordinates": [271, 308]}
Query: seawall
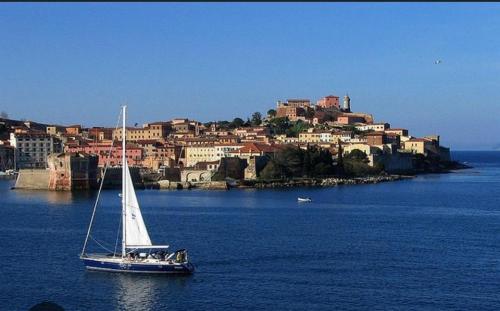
{"type": "Point", "coordinates": [35, 179]}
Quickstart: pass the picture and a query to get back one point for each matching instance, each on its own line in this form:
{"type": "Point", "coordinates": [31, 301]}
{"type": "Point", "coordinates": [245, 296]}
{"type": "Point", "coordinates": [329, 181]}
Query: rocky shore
{"type": "Point", "coordinates": [323, 182]}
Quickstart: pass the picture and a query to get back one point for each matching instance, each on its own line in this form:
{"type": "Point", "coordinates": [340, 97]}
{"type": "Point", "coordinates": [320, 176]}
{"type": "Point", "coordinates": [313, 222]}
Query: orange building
{"type": "Point", "coordinates": [329, 101]}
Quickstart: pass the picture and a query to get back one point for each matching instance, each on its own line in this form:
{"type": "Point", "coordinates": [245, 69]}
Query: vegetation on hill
{"type": "Point", "coordinates": [356, 163]}
{"type": "Point", "coordinates": [293, 162]}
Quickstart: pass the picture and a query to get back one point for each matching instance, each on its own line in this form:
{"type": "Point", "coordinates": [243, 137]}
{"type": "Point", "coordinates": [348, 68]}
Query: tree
{"type": "Point", "coordinates": [271, 171]}
{"type": "Point", "coordinates": [358, 155]}
{"type": "Point", "coordinates": [310, 113]}
{"type": "Point", "coordinates": [291, 162]}
{"type": "Point", "coordinates": [356, 163]}
{"type": "Point", "coordinates": [271, 113]}
{"type": "Point", "coordinates": [279, 125]}
{"type": "Point", "coordinates": [256, 119]}
{"type": "Point", "coordinates": [4, 115]}
{"type": "Point", "coordinates": [247, 123]}
{"type": "Point", "coordinates": [297, 127]}
{"type": "Point", "coordinates": [237, 122]}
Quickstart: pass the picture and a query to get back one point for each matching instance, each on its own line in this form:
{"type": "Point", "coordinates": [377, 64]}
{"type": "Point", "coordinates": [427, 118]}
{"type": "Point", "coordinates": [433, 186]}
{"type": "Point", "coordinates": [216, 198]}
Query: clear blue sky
{"type": "Point", "coordinates": [77, 63]}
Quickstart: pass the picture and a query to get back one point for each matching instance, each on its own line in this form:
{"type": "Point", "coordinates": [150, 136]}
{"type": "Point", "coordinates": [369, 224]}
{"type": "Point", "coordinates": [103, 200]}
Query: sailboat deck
{"type": "Point", "coordinates": [118, 259]}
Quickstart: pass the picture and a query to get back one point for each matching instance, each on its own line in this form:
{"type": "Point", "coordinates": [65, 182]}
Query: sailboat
{"type": "Point", "coordinates": [138, 254]}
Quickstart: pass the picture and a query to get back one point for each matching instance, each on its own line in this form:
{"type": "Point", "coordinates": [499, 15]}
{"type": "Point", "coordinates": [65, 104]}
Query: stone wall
{"type": "Point", "coordinates": [35, 179]}
{"type": "Point", "coordinates": [255, 166]}
{"type": "Point", "coordinates": [231, 168]}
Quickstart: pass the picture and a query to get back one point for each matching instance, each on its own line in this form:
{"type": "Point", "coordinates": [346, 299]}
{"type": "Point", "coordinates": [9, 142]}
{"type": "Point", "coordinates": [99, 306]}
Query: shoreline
{"type": "Point", "coordinates": [331, 181]}
{"type": "Point", "coordinates": [322, 182]}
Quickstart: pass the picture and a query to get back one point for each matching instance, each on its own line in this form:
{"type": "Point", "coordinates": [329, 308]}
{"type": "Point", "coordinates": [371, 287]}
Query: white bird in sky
{"type": "Point", "coordinates": [437, 62]}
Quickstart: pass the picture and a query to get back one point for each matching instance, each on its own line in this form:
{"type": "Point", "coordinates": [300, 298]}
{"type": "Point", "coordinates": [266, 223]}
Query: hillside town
{"type": "Point", "coordinates": [184, 152]}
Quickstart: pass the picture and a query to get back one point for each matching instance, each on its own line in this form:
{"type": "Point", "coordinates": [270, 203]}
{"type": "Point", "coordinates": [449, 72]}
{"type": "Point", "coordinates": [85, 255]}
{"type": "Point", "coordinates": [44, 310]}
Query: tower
{"type": "Point", "coordinates": [347, 103]}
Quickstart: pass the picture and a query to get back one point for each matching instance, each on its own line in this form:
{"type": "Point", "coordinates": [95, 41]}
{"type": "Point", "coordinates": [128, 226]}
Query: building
{"type": "Point", "coordinates": [74, 130]}
{"type": "Point", "coordinates": [251, 131]}
{"type": "Point", "coordinates": [309, 137]}
{"type": "Point", "coordinates": [107, 154]}
{"type": "Point", "coordinates": [55, 129]}
{"type": "Point", "coordinates": [32, 148]}
{"type": "Point", "coordinates": [329, 102]}
{"type": "Point", "coordinates": [346, 104]}
{"type": "Point", "coordinates": [417, 145]}
{"type": "Point", "coordinates": [101, 133]}
{"type": "Point", "coordinates": [283, 139]}
{"type": "Point", "coordinates": [315, 136]}
{"type": "Point", "coordinates": [344, 136]}
{"type": "Point", "coordinates": [199, 153]}
{"type": "Point", "coordinates": [350, 119]}
{"type": "Point", "coordinates": [380, 127]}
{"type": "Point", "coordinates": [186, 128]}
{"type": "Point", "coordinates": [72, 171]}
{"type": "Point", "coordinates": [397, 131]}
{"type": "Point", "coordinates": [292, 113]}
{"type": "Point", "coordinates": [376, 138]}
{"type": "Point", "coordinates": [294, 109]}
{"type": "Point", "coordinates": [209, 152]}
{"type": "Point", "coordinates": [297, 103]}
{"type": "Point", "coordinates": [156, 130]}
{"type": "Point", "coordinates": [249, 150]}
{"type": "Point", "coordinates": [163, 154]}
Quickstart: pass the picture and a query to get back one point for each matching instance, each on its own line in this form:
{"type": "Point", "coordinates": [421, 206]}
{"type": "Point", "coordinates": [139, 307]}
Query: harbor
{"type": "Point", "coordinates": [433, 233]}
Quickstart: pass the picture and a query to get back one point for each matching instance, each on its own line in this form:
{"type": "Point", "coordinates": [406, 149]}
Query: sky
{"type": "Point", "coordinates": [77, 63]}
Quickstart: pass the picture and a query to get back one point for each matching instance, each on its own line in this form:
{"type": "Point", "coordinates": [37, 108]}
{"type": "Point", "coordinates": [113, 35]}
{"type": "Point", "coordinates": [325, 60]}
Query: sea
{"type": "Point", "coordinates": [427, 243]}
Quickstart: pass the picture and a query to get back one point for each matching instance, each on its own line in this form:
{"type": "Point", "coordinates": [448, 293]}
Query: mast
{"type": "Point", "coordinates": [124, 181]}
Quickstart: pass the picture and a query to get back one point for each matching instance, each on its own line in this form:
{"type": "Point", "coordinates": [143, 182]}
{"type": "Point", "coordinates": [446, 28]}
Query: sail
{"type": "Point", "coordinates": [136, 233]}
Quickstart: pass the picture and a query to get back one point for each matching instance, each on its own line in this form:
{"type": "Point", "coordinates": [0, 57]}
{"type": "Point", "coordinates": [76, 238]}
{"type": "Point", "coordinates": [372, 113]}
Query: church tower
{"type": "Point", "coordinates": [347, 103]}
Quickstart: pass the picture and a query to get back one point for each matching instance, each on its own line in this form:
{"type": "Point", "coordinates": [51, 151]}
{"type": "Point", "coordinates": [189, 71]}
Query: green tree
{"type": "Point", "coordinates": [237, 122]}
{"type": "Point", "coordinates": [293, 161]}
{"type": "Point", "coordinates": [356, 163]}
{"type": "Point", "coordinates": [279, 125]}
{"type": "Point", "coordinates": [256, 119]}
{"type": "Point", "coordinates": [271, 171]}
{"type": "Point", "coordinates": [309, 113]}
{"type": "Point", "coordinates": [358, 155]}
{"type": "Point", "coordinates": [271, 113]}
{"type": "Point", "coordinates": [298, 126]}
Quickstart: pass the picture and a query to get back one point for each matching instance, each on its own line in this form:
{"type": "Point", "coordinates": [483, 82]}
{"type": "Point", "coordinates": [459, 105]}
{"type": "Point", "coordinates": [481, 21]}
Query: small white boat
{"type": "Point", "coordinates": [304, 199]}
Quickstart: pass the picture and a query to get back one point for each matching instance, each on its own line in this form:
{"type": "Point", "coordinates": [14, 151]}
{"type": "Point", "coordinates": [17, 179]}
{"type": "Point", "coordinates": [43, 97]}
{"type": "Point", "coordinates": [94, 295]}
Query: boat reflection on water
{"type": "Point", "coordinates": [136, 292]}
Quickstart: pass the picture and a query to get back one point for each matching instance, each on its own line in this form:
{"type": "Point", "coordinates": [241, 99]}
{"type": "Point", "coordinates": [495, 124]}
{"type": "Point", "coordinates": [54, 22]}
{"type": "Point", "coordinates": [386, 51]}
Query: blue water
{"type": "Point", "coordinates": [430, 243]}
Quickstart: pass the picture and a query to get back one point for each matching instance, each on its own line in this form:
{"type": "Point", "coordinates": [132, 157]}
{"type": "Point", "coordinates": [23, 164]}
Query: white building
{"type": "Point", "coordinates": [209, 152]}
{"type": "Point", "coordinates": [32, 149]}
{"type": "Point", "coordinates": [378, 127]}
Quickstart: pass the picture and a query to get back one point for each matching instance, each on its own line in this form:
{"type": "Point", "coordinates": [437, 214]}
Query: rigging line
{"type": "Point", "coordinates": [102, 246]}
{"type": "Point", "coordinates": [117, 236]}
{"type": "Point", "coordinates": [100, 188]}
